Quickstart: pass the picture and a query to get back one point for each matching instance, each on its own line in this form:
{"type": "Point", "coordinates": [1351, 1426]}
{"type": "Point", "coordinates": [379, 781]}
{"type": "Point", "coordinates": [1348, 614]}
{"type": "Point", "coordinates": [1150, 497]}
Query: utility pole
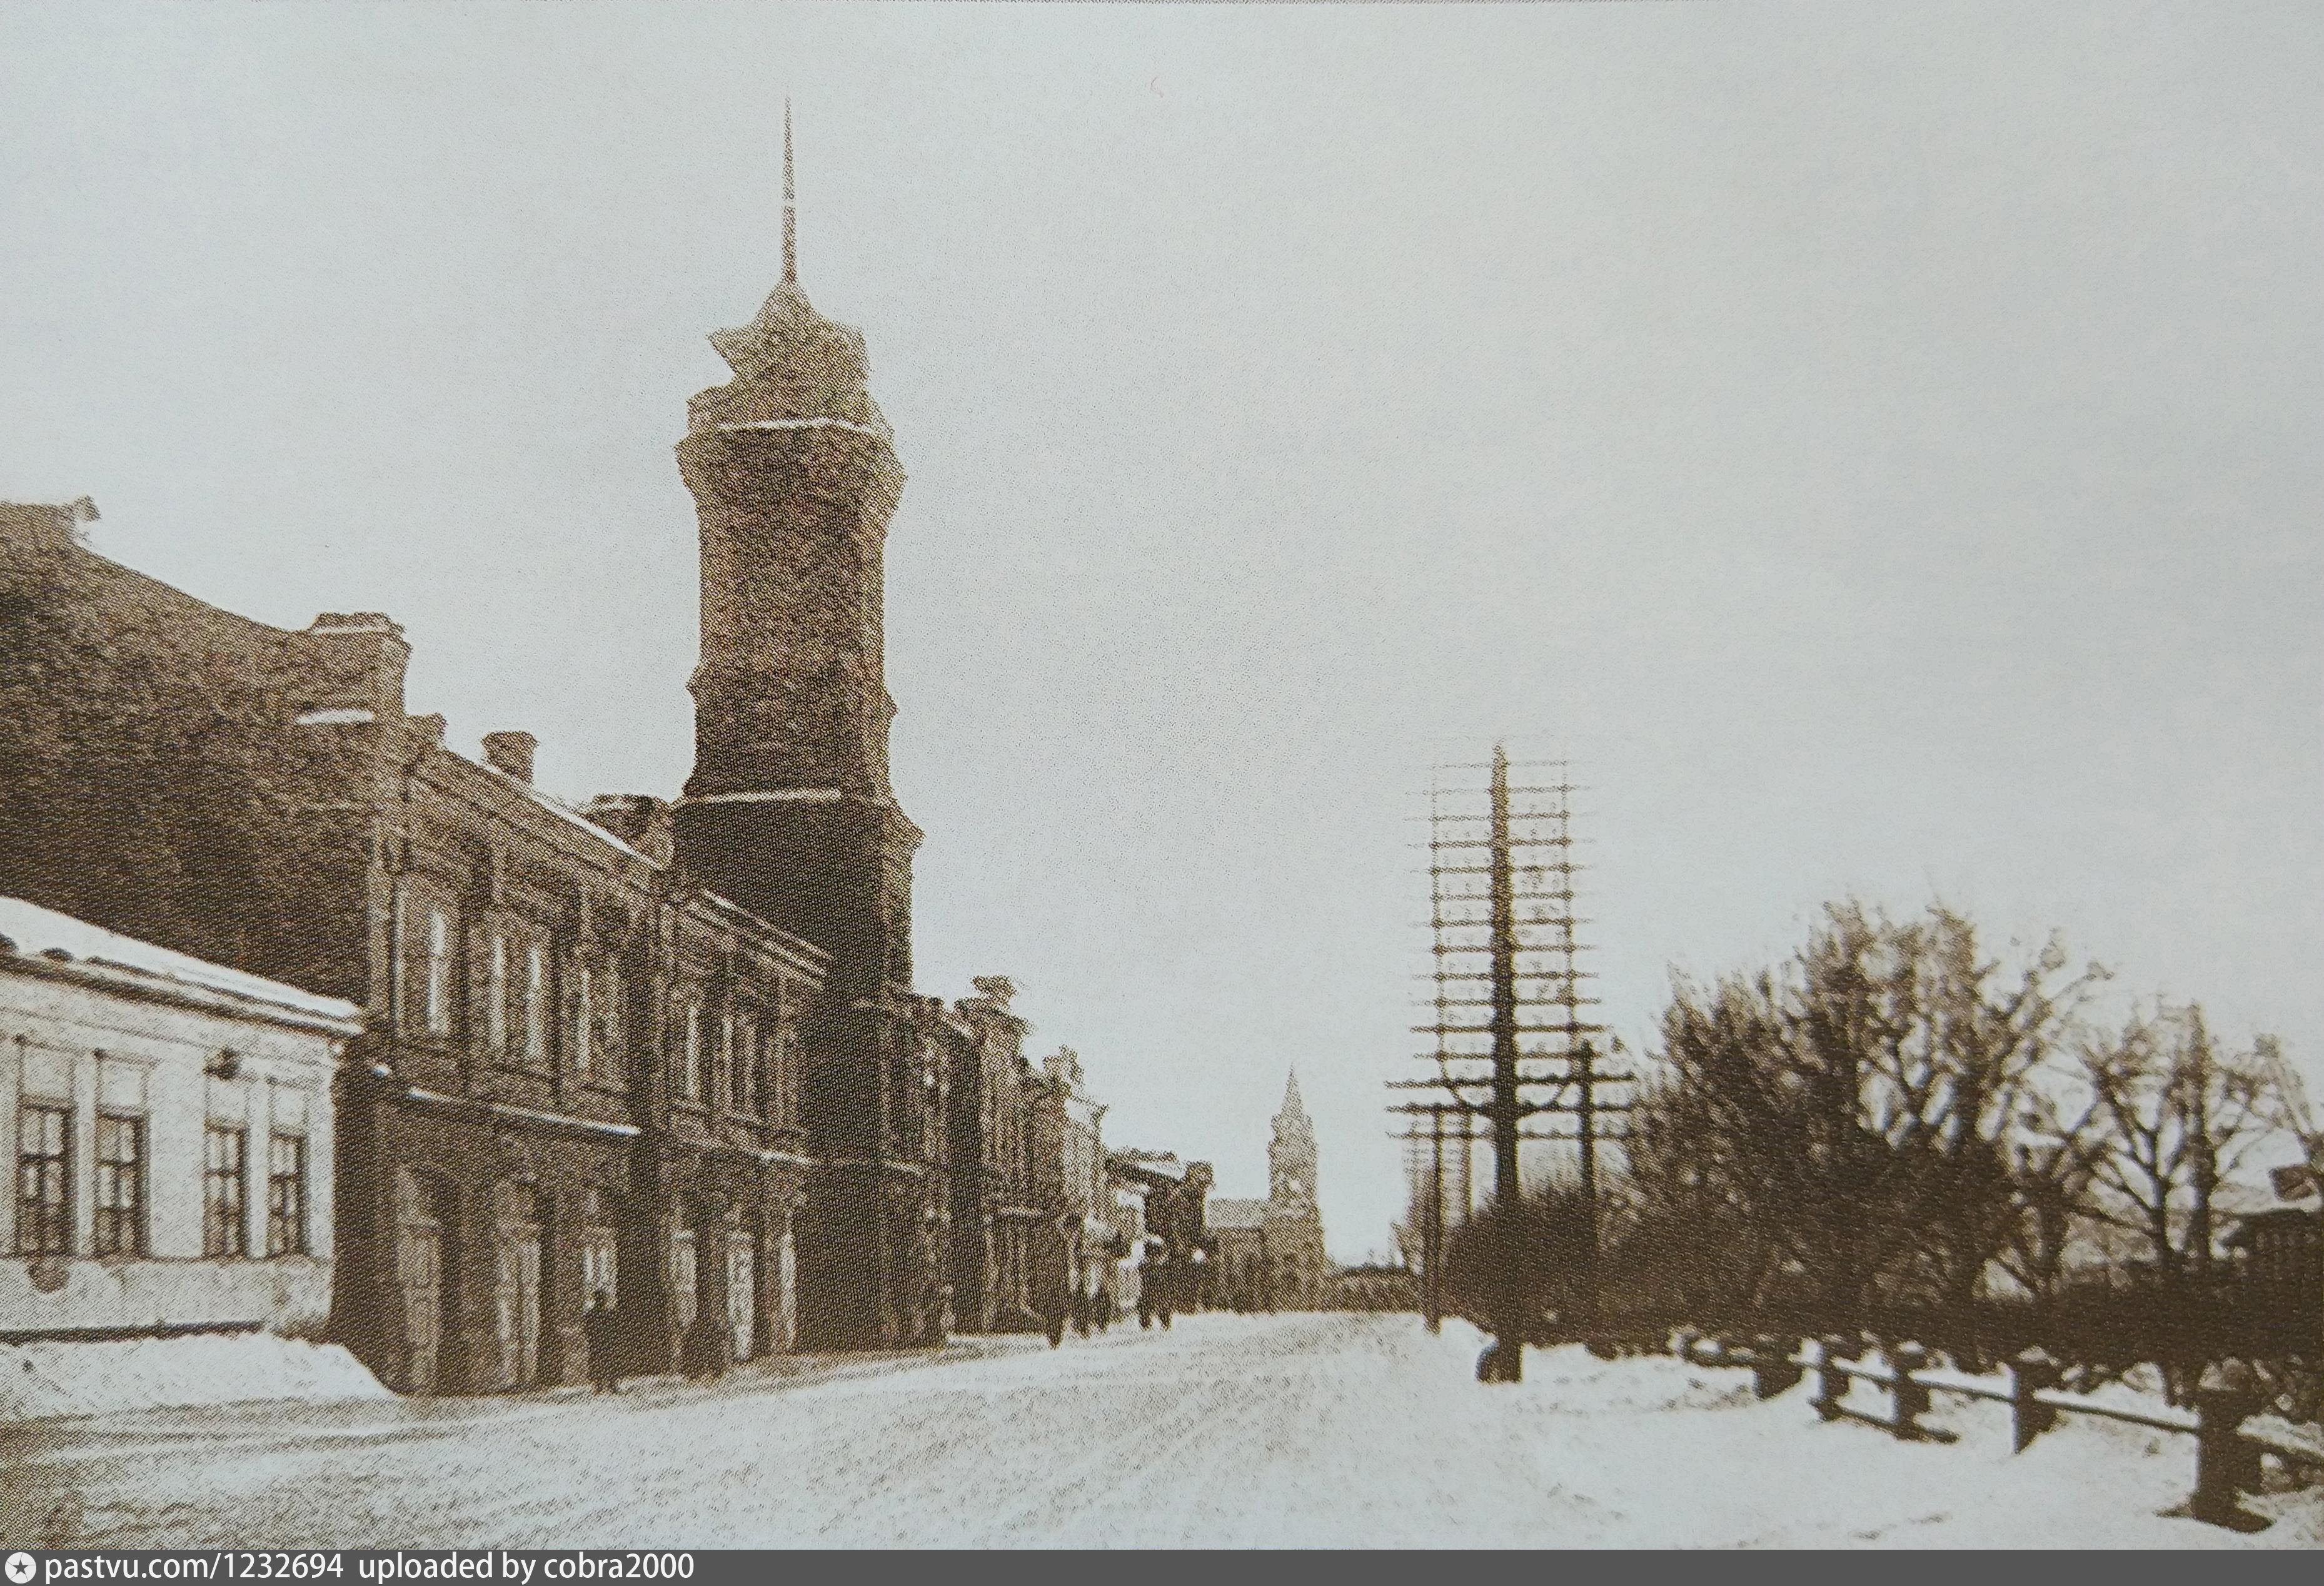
{"type": "Point", "coordinates": [1434, 1301]}
{"type": "Point", "coordinates": [1512, 1037]}
{"type": "Point", "coordinates": [1509, 1315]}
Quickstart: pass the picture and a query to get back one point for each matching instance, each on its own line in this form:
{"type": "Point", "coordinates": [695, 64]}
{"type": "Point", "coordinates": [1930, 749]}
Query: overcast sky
{"type": "Point", "coordinates": [1881, 444]}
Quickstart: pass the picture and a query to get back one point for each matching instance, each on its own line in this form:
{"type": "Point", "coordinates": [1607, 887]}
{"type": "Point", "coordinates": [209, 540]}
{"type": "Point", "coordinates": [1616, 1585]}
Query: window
{"type": "Point", "coordinates": [581, 1019]}
{"type": "Point", "coordinates": [536, 1004]}
{"type": "Point", "coordinates": [496, 995]}
{"type": "Point", "coordinates": [44, 1210]}
{"type": "Point", "coordinates": [120, 1186]}
{"type": "Point", "coordinates": [787, 1059]}
{"type": "Point", "coordinates": [440, 972]}
{"type": "Point", "coordinates": [286, 1196]}
{"type": "Point", "coordinates": [746, 1067]}
{"type": "Point", "coordinates": [722, 1082]}
{"type": "Point", "coordinates": [225, 1228]}
{"type": "Point", "coordinates": [600, 1247]}
{"type": "Point", "coordinates": [690, 1072]}
{"type": "Point", "coordinates": [608, 1023]}
{"type": "Point", "coordinates": [683, 1279]}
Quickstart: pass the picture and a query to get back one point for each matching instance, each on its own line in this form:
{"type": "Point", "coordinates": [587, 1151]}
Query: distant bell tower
{"type": "Point", "coordinates": [1291, 1154]}
{"type": "Point", "coordinates": [789, 811]}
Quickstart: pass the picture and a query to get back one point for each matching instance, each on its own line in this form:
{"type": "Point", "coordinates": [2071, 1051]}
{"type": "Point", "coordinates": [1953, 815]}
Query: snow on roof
{"type": "Point", "coordinates": [29, 930]}
{"type": "Point", "coordinates": [556, 806]}
{"type": "Point", "coordinates": [1235, 1213]}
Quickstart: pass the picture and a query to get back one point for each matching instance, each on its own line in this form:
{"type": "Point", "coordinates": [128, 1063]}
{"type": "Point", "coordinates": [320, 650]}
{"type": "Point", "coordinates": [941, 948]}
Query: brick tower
{"type": "Point", "coordinates": [789, 811]}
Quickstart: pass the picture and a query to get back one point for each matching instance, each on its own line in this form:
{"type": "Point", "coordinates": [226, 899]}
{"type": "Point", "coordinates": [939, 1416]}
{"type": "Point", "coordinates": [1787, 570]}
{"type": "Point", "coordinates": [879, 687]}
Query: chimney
{"type": "Point", "coordinates": [638, 819]}
{"type": "Point", "coordinates": [511, 754]}
{"type": "Point", "coordinates": [358, 664]}
{"type": "Point", "coordinates": [46, 528]}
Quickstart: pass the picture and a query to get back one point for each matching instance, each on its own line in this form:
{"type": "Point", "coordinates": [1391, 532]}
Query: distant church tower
{"type": "Point", "coordinates": [789, 811]}
{"type": "Point", "coordinates": [1301, 1274]}
{"type": "Point", "coordinates": [1291, 1154]}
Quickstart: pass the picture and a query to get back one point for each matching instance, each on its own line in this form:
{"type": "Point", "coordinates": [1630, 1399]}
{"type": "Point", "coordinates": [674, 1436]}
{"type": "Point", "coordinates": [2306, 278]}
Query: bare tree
{"type": "Point", "coordinates": [1859, 1106]}
{"type": "Point", "coordinates": [2181, 1116]}
{"type": "Point", "coordinates": [2054, 1157]}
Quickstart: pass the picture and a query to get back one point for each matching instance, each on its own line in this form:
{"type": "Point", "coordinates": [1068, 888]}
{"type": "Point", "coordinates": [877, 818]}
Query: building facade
{"type": "Point", "coordinates": [170, 1125]}
{"type": "Point", "coordinates": [583, 1080]}
{"type": "Point", "coordinates": [517, 1128]}
{"type": "Point", "coordinates": [1000, 1225]}
{"type": "Point", "coordinates": [1092, 1241]}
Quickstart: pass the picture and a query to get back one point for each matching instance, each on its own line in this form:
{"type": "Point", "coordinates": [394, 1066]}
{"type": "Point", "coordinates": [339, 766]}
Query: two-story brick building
{"type": "Point", "coordinates": [581, 1071]}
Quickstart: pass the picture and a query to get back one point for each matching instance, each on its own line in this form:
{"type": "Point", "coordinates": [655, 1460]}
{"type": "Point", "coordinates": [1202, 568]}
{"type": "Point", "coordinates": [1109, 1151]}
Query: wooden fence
{"type": "Point", "coordinates": [2229, 1440]}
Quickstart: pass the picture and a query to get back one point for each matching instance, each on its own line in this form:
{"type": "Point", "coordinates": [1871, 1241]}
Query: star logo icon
{"type": "Point", "coordinates": [21, 1568]}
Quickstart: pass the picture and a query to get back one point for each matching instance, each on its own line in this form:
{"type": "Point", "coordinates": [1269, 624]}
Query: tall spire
{"type": "Point", "coordinates": [1291, 1107]}
{"type": "Point", "coordinates": [791, 206]}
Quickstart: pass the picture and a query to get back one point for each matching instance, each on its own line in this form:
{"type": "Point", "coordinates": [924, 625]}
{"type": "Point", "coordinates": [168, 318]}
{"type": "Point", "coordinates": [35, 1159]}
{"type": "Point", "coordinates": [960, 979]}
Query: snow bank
{"type": "Point", "coordinates": [44, 1380]}
{"type": "Point", "coordinates": [1582, 1384]}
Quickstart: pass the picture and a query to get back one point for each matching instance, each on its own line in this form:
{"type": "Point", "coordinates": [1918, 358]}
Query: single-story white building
{"type": "Point", "coordinates": [169, 1124]}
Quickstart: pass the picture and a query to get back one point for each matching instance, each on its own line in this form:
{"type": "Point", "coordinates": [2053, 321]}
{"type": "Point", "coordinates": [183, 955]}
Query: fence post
{"type": "Point", "coordinates": [2029, 1417]}
{"type": "Point", "coordinates": [1832, 1382]}
{"type": "Point", "coordinates": [1772, 1369]}
{"type": "Point", "coordinates": [1909, 1398]}
{"type": "Point", "coordinates": [2223, 1399]}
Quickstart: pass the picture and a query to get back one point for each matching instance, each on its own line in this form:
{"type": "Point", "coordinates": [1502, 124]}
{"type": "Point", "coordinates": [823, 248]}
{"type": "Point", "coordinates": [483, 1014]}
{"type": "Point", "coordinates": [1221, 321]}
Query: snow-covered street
{"type": "Point", "coordinates": [1227, 1430]}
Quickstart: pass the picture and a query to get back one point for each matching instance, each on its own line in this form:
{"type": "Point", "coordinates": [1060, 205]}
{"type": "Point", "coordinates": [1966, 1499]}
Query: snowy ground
{"type": "Point", "coordinates": [1227, 1430]}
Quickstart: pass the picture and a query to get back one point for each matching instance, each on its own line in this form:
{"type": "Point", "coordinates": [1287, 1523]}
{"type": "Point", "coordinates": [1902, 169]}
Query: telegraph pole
{"type": "Point", "coordinates": [1512, 1038]}
{"type": "Point", "coordinates": [1507, 1361]}
{"type": "Point", "coordinates": [1435, 1277]}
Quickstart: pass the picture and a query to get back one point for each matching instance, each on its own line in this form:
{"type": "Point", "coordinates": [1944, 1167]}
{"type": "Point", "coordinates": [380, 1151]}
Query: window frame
{"type": "Point", "coordinates": [607, 1027]}
{"type": "Point", "coordinates": [690, 1054]}
{"type": "Point", "coordinates": [437, 980]}
{"type": "Point", "coordinates": [35, 1214]}
{"type": "Point", "coordinates": [787, 1074]}
{"type": "Point", "coordinates": [214, 1177]}
{"type": "Point", "coordinates": [118, 1228]}
{"type": "Point", "coordinates": [746, 1086]}
{"type": "Point", "coordinates": [295, 1217]}
{"type": "Point", "coordinates": [580, 1033]}
{"type": "Point", "coordinates": [535, 1002]}
{"type": "Point", "coordinates": [496, 995]}
{"type": "Point", "coordinates": [722, 1074]}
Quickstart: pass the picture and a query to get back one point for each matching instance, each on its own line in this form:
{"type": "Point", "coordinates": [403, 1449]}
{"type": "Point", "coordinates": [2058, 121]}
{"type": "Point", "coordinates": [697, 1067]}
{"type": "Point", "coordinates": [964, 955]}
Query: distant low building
{"type": "Point", "coordinates": [170, 1122]}
{"type": "Point", "coordinates": [1243, 1278]}
{"type": "Point", "coordinates": [1270, 1253]}
{"type": "Point", "coordinates": [1375, 1288]}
